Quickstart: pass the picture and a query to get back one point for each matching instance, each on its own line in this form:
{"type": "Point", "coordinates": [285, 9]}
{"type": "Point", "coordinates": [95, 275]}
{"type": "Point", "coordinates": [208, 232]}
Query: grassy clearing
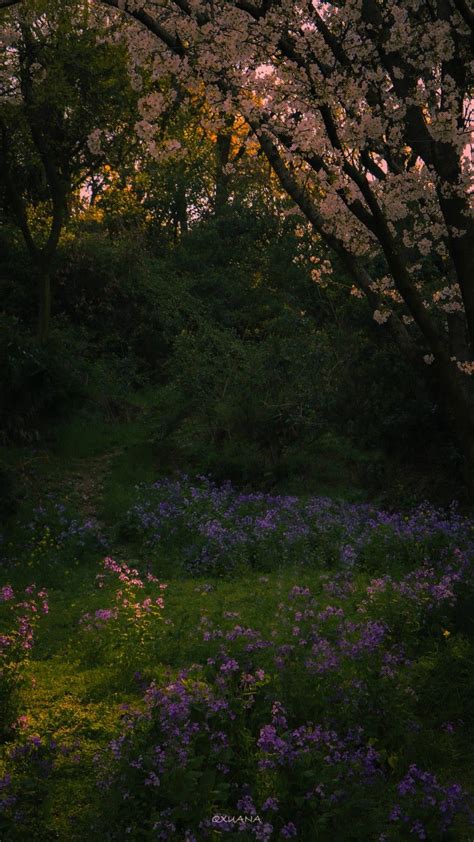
{"type": "Point", "coordinates": [77, 693]}
{"type": "Point", "coordinates": [388, 668]}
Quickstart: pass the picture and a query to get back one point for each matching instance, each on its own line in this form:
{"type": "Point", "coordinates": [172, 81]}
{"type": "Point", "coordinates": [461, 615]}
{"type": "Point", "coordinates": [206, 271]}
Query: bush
{"type": "Point", "coordinates": [8, 491]}
{"type": "Point", "coordinates": [37, 381]}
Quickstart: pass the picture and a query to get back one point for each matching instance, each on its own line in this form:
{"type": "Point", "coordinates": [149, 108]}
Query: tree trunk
{"type": "Point", "coordinates": [460, 407]}
{"type": "Point", "coordinates": [181, 207]}
{"type": "Point", "coordinates": [44, 306]}
{"type": "Point", "coordinates": [468, 467]}
{"type": "Point", "coordinates": [221, 198]}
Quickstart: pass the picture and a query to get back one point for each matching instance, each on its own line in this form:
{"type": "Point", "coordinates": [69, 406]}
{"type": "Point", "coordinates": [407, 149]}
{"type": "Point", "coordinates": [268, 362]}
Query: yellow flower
{"type": "Point", "coordinates": [446, 633]}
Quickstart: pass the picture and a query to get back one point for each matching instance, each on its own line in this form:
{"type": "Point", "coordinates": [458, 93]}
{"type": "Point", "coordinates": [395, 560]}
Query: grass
{"type": "Point", "coordinates": [78, 694]}
{"type": "Point", "coordinates": [88, 458]}
{"type": "Point", "coordinates": [77, 688]}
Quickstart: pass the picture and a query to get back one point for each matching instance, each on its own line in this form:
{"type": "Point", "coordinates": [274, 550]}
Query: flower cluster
{"type": "Point", "coordinates": [426, 808]}
{"type": "Point", "coordinates": [346, 688]}
{"type": "Point", "coordinates": [218, 529]}
{"type": "Point", "coordinates": [19, 616]}
{"type": "Point", "coordinates": [32, 761]}
{"type": "Point", "coordinates": [131, 620]}
{"type": "Point", "coordinates": [233, 732]}
{"type": "Point", "coordinates": [54, 534]}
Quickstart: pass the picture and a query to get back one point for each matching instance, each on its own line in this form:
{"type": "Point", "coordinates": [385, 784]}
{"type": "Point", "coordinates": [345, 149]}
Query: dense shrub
{"type": "Point", "coordinates": [37, 382]}
{"type": "Point", "coordinates": [8, 491]}
{"type": "Point", "coordinates": [259, 368]}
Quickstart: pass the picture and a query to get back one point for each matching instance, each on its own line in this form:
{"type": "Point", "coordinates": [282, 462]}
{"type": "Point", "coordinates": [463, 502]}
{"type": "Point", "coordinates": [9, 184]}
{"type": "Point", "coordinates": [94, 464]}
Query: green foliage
{"type": "Point", "coordinates": [117, 295]}
{"type": "Point", "coordinates": [8, 491]}
{"type": "Point", "coordinates": [260, 374]}
{"type": "Point", "coordinates": [19, 616]}
{"type": "Point", "coordinates": [254, 379]}
{"type": "Point", "coordinates": [36, 381]}
{"type": "Point", "coordinates": [264, 370]}
{"type": "Point", "coordinates": [64, 70]}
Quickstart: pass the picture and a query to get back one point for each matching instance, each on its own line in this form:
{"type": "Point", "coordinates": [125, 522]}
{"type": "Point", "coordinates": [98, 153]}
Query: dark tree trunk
{"type": "Point", "coordinates": [459, 402]}
{"type": "Point", "coordinates": [181, 206]}
{"type": "Point", "coordinates": [223, 144]}
{"type": "Point", "coordinates": [44, 305]}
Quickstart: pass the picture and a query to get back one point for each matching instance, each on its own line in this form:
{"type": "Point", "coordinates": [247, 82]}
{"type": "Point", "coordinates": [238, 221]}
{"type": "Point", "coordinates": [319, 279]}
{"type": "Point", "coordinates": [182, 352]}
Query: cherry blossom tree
{"type": "Point", "coordinates": [362, 108]}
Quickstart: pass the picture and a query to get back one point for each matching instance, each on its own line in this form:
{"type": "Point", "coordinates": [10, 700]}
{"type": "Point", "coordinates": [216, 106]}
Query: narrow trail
{"type": "Point", "coordinates": [88, 481]}
{"type": "Point", "coordinates": [83, 478]}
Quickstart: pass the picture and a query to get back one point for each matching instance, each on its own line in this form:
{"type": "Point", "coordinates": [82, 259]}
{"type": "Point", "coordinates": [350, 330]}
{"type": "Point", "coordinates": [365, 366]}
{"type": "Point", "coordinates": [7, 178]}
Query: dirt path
{"type": "Point", "coordinates": [88, 482]}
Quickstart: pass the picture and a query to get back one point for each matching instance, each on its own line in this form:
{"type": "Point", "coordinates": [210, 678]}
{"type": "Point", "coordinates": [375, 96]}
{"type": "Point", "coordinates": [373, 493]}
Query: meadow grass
{"type": "Point", "coordinates": [361, 629]}
{"type": "Point", "coordinates": [77, 693]}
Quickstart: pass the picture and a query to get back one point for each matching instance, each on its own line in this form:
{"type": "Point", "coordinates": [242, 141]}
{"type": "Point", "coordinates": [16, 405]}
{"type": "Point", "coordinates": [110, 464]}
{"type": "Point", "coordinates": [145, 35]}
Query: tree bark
{"type": "Point", "coordinates": [221, 198]}
{"type": "Point", "coordinates": [44, 305]}
{"type": "Point", "coordinates": [460, 407]}
{"type": "Point", "coordinates": [180, 210]}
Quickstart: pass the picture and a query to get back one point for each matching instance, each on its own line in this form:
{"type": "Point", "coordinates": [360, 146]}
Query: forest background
{"type": "Point", "coordinates": [172, 278]}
